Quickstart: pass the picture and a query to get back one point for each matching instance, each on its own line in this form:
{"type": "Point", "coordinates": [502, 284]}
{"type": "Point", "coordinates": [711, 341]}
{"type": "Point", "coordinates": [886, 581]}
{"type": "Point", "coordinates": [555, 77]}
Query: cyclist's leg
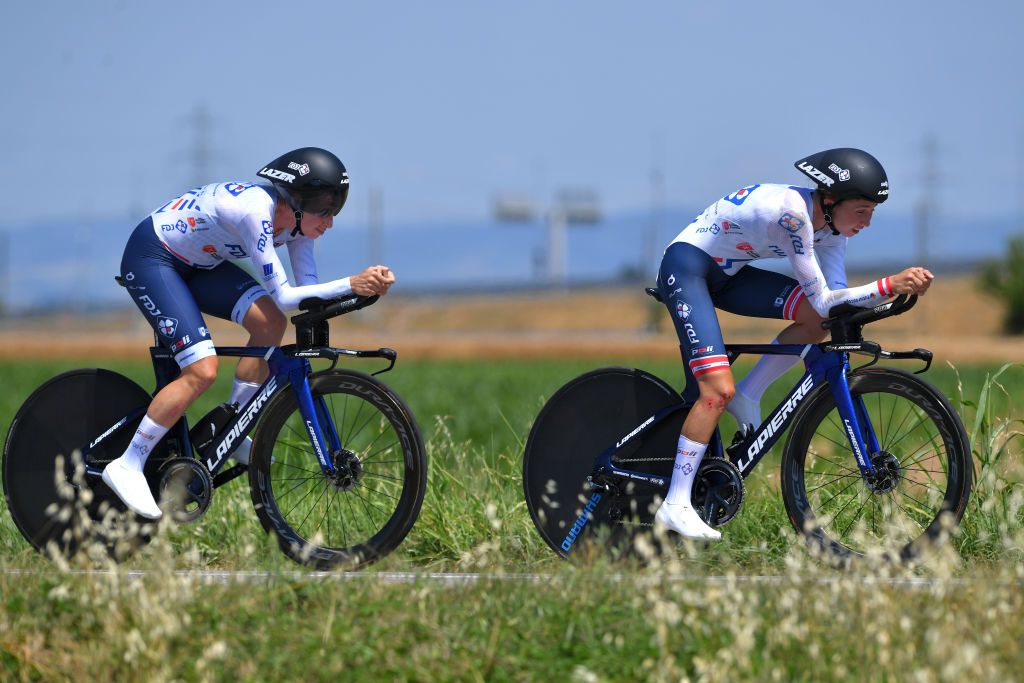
{"type": "Point", "coordinates": [763, 294]}
{"type": "Point", "coordinates": [156, 282]}
{"type": "Point", "coordinates": [229, 292]}
{"type": "Point", "coordinates": [684, 279]}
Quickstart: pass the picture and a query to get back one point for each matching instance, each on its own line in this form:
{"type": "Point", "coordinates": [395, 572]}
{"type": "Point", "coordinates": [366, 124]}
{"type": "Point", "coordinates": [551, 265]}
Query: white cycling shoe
{"type": "Point", "coordinates": [685, 521]}
{"type": "Point", "coordinates": [131, 487]}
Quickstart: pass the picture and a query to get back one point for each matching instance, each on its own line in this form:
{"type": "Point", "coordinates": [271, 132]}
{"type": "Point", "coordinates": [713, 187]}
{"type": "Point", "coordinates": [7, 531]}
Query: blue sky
{"type": "Point", "coordinates": [439, 106]}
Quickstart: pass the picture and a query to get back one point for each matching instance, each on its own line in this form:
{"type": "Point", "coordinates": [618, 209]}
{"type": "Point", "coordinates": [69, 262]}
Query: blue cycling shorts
{"type": "Point", "coordinates": [173, 295]}
{"type": "Point", "coordinates": [692, 285]}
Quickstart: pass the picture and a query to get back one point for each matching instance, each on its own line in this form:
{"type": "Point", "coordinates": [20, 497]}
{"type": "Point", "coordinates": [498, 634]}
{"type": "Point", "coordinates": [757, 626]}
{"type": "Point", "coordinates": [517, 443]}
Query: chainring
{"type": "Point", "coordinates": [718, 491]}
{"type": "Point", "coordinates": [186, 489]}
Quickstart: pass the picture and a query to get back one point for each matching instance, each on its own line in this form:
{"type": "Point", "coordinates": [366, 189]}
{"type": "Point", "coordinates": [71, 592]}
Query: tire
{"type": "Point", "coordinates": [340, 523]}
{"type": "Point", "coordinates": [55, 508]}
{"type": "Point", "coordinates": [580, 421]}
{"type": "Point", "coordinates": [923, 444]}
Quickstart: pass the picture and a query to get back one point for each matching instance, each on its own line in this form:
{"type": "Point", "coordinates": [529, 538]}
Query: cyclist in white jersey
{"type": "Point", "coordinates": [177, 266]}
{"type": "Point", "coordinates": [706, 266]}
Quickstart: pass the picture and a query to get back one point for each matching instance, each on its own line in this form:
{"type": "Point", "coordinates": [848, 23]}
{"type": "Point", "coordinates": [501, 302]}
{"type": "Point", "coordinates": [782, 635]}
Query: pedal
{"type": "Point", "coordinates": [739, 440]}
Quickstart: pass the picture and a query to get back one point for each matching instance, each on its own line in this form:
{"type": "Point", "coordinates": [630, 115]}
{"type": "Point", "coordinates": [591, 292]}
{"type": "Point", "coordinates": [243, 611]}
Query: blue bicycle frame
{"type": "Point", "coordinates": [825, 363]}
{"type": "Point", "coordinates": [284, 368]}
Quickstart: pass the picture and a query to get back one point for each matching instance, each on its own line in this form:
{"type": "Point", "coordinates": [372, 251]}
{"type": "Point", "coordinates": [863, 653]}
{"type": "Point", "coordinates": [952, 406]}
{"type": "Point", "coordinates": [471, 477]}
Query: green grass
{"type": "Point", "coordinates": [599, 620]}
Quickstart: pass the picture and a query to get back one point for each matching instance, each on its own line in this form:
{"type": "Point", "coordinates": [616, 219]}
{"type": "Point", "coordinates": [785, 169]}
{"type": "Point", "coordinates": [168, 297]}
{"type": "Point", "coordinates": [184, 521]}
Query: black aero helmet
{"type": "Point", "coordinates": [312, 180]}
{"type": "Point", "coordinates": [845, 173]}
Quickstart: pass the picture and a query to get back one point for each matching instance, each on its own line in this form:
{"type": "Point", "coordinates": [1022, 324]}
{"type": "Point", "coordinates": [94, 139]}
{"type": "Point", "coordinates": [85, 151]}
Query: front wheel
{"type": "Point", "coordinates": [364, 509]}
{"type": "Point", "coordinates": [923, 470]}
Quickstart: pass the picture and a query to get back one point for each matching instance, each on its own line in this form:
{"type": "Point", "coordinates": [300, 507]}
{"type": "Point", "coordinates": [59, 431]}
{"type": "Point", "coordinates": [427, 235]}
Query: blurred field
{"type": "Point", "coordinates": [955, 320]}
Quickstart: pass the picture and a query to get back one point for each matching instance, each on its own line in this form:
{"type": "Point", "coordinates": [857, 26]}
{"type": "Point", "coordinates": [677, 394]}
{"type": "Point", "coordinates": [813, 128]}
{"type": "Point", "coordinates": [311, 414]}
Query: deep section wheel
{"type": "Point", "coordinates": [580, 421]}
{"type": "Point", "coordinates": [922, 479]}
{"type": "Point", "coordinates": [366, 506]}
{"type": "Point", "coordinates": [56, 506]}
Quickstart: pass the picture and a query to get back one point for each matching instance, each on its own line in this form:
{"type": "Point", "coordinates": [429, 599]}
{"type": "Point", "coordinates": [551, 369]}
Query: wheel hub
{"type": "Point", "coordinates": [348, 469]}
{"type": "Point", "coordinates": [887, 473]}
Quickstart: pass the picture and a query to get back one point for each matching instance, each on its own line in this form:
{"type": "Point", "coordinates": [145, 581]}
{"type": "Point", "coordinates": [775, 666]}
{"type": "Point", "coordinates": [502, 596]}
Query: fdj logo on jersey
{"type": "Point", "coordinates": [740, 196]}
{"type": "Point", "coordinates": [791, 222]}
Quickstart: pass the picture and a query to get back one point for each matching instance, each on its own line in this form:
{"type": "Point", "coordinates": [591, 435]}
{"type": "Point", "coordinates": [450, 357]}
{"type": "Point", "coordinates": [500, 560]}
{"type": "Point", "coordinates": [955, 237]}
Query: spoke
{"type": "Point", "coordinates": [839, 493]}
{"type": "Point", "coordinates": [842, 445]}
{"type": "Point", "coordinates": [379, 493]}
{"type": "Point", "coordinates": [366, 501]}
{"type": "Point", "coordinates": [909, 412]}
{"type": "Point", "coordinates": [922, 419]}
{"type": "Point", "coordinates": [288, 492]}
{"type": "Point", "coordinates": [299, 501]}
{"type": "Point", "coordinates": [853, 521]}
{"type": "Point", "coordinates": [313, 506]}
{"type": "Point", "coordinates": [296, 467]}
{"type": "Point", "coordinates": [829, 482]}
{"type": "Point", "coordinates": [381, 476]}
{"type": "Point", "coordinates": [384, 449]}
{"type": "Point", "coordinates": [838, 464]}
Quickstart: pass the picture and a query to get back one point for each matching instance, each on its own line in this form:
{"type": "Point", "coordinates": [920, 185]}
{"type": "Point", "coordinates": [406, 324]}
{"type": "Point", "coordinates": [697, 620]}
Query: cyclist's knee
{"type": "Point", "coordinates": [201, 375]}
{"type": "Point", "coordinates": [265, 322]}
{"type": "Point", "coordinates": [716, 390]}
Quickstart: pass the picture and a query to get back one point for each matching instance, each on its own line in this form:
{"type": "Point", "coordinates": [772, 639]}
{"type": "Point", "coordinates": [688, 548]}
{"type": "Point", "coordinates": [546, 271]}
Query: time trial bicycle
{"type": "Point", "coordinates": [877, 460]}
{"type": "Point", "coordinates": [337, 468]}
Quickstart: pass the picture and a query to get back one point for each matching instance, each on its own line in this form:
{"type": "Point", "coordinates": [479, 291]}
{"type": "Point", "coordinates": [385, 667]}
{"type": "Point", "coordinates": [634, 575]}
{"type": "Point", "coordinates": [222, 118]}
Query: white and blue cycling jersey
{"type": "Point", "coordinates": [177, 264]}
{"type": "Point", "coordinates": [707, 267]}
{"type": "Point", "coordinates": [232, 221]}
{"type": "Point", "coordinates": [774, 221]}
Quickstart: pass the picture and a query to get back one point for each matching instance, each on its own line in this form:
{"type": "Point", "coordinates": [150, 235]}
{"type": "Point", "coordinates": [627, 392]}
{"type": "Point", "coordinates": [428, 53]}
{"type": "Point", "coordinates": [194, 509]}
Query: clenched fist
{"type": "Point", "coordinates": [915, 280]}
{"type": "Point", "coordinates": [373, 280]}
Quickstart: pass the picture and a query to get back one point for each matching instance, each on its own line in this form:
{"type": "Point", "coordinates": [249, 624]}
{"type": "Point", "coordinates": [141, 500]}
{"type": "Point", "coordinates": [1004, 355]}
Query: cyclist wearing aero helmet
{"type": "Point", "coordinates": [706, 266]}
{"type": "Point", "coordinates": [177, 266]}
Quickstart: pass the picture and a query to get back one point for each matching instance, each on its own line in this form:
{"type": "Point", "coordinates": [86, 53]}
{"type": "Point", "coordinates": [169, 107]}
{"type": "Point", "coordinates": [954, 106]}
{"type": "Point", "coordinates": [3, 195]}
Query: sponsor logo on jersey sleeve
{"type": "Point", "coordinates": [791, 222]}
{"type": "Point", "coordinates": [683, 310]}
{"type": "Point", "coordinates": [180, 226]}
{"type": "Point", "coordinates": [268, 270]}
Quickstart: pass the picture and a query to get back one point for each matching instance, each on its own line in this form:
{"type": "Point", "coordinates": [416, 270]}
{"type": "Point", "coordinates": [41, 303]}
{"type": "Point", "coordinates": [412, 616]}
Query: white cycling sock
{"type": "Point", "coordinates": [241, 392]}
{"type": "Point", "coordinates": [124, 475]}
{"type": "Point", "coordinates": [146, 438]}
{"type": "Point", "coordinates": [676, 512]}
{"type": "Point", "coordinates": [688, 457]}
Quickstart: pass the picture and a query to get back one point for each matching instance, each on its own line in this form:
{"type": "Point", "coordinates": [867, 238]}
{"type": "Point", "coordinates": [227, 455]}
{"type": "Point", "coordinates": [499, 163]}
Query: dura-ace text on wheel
{"type": "Point", "coordinates": [922, 476]}
{"type": "Point", "coordinates": [364, 509]}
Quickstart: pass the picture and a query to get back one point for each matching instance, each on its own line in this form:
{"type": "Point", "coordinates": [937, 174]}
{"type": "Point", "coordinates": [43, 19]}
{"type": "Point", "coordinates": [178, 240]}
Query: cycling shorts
{"type": "Point", "coordinates": [692, 285]}
{"type": "Point", "coordinates": [173, 295]}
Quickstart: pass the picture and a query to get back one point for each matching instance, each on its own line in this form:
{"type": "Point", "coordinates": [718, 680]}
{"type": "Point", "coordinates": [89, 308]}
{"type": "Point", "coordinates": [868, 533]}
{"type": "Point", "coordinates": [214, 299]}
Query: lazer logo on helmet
{"type": "Point", "coordinates": [277, 175]}
{"type": "Point", "coordinates": [815, 173]}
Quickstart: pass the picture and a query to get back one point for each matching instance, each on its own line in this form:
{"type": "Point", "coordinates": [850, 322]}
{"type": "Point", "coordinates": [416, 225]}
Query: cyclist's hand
{"type": "Point", "coordinates": [914, 280]}
{"type": "Point", "coordinates": [373, 280]}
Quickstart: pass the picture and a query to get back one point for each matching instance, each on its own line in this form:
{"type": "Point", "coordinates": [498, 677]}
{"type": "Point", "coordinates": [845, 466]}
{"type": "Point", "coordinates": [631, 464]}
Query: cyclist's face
{"type": "Point", "coordinates": [852, 216]}
{"type": "Point", "coordinates": [316, 224]}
